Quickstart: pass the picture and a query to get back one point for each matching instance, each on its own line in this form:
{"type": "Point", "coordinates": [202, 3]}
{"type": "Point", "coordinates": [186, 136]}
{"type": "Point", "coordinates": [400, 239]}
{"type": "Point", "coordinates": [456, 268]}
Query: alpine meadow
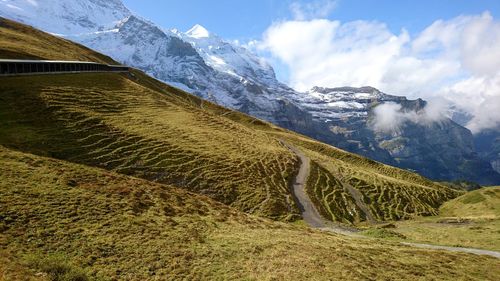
{"type": "Point", "coordinates": [114, 169]}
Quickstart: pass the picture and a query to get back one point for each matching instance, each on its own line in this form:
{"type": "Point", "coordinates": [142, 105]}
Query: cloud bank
{"type": "Point", "coordinates": [390, 117]}
{"type": "Point", "coordinates": [456, 60]}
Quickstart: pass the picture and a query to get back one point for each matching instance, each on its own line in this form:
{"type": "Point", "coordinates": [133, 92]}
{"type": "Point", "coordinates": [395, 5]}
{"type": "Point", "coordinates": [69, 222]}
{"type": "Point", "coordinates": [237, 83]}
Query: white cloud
{"type": "Point", "coordinates": [480, 97]}
{"type": "Point", "coordinates": [457, 60]}
{"type": "Point", "coordinates": [390, 117]}
{"type": "Point", "coordinates": [312, 10]}
{"type": "Point", "coordinates": [316, 50]}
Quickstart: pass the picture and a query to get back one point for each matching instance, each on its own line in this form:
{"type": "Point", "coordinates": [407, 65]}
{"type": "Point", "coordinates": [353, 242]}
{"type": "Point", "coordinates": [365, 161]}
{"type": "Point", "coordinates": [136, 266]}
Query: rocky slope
{"type": "Point", "coordinates": [204, 64]}
{"type": "Point", "coordinates": [488, 146]}
{"type": "Point", "coordinates": [435, 146]}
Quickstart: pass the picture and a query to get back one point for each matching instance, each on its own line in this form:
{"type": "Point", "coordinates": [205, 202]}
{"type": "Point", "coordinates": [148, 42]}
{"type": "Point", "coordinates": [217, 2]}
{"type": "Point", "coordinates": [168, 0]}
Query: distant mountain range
{"type": "Point", "coordinates": [217, 70]}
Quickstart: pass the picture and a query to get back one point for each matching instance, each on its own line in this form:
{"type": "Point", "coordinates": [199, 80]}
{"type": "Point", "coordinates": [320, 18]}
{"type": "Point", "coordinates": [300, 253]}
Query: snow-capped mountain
{"type": "Point", "coordinates": [229, 58]}
{"type": "Point", "coordinates": [68, 16]}
{"type": "Point", "coordinates": [196, 61]}
{"type": "Point", "coordinates": [328, 105]}
{"type": "Point", "coordinates": [245, 81]}
{"type": "Point", "coordinates": [204, 64]}
{"type": "Point", "coordinates": [439, 149]}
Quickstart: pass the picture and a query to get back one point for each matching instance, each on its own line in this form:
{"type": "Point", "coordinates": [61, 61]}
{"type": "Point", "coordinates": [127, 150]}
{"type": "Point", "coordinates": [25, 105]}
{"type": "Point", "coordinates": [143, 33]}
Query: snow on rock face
{"type": "Point", "coordinates": [230, 75]}
{"type": "Point", "coordinates": [228, 58]}
{"type": "Point", "coordinates": [66, 17]}
{"type": "Point", "coordinates": [332, 104]}
{"type": "Point", "coordinates": [197, 60]}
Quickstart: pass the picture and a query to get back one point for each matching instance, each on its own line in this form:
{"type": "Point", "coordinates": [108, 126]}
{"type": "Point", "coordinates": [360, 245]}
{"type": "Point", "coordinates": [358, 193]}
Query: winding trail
{"type": "Point", "coordinates": [309, 212]}
{"type": "Point", "coordinates": [312, 217]}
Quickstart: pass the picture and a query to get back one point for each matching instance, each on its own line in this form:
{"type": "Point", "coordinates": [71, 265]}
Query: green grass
{"type": "Point", "coordinates": [481, 203]}
{"type": "Point", "coordinates": [382, 233]}
{"type": "Point", "coordinates": [114, 176]}
{"type": "Point", "coordinates": [135, 125]}
{"type": "Point", "coordinates": [484, 201]}
{"type": "Point", "coordinates": [389, 193]}
{"type": "Point", "coordinates": [72, 221]}
{"type": "Point", "coordinates": [56, 267]}
{"type": "Point", "coordinates": [112, 121]}
{"type": "Point", "coordinates": [132, 126]}
{"type": "Point", "coordinates": [471, 220]}
{"type": "Point", "coordinates": [333, 201]}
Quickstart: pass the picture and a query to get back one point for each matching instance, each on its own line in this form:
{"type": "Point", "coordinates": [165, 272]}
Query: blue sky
{"type": "Point", "coordinates": [248, 19]}
{"type": "Point", "coordinates": [444, 51]}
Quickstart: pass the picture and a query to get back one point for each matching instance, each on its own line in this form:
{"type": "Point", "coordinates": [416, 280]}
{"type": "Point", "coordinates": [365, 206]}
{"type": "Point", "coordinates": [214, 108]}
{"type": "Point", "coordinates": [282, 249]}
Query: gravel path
{"type": "Point", "coordinates": [309, 212]}
{"type": "Point", "coordinates": [454, 249]}
{"type": "Point", "coordinates": [312, 217]}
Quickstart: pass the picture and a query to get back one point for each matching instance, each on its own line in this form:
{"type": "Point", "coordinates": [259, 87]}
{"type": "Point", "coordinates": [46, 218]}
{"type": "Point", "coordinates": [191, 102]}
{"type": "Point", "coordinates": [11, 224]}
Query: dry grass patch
{"type": "Point", "coordinates": [471, 220]}
{"type": "Point", "coordinates": [108, 226]}
{"type": "Point", "coordinates": [112, 121]}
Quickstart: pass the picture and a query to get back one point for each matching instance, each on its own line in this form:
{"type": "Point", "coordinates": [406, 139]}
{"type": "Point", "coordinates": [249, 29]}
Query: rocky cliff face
{"type": "Point", "coordinates": [487, 144]}
{"type": "Point", "coordinates": [436, 148]}
{"type": "Point", "coordinates": [206, 65]}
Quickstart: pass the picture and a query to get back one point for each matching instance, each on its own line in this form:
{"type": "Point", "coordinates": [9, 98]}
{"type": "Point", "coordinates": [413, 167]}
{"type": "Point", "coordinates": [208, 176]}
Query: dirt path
{"type": "Point", "coordinates": [309, 212]}
{"type": "Point", "coordinates": [312, 217]}
{"type": "Point", "coordinates": [454, 249]}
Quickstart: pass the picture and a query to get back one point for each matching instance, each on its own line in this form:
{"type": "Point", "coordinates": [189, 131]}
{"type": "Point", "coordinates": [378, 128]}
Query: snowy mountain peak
{"type": "Point", "coordinates": [198, 31]}
{"type": "Point", "coordinates": [66, 17]}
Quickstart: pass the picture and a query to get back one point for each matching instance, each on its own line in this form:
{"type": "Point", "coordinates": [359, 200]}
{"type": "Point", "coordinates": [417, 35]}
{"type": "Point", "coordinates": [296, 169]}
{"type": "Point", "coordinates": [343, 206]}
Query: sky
{"type": "Point", "coordinates": [248, 19]}
{"type": "Point", "coordinates": [444, 51]}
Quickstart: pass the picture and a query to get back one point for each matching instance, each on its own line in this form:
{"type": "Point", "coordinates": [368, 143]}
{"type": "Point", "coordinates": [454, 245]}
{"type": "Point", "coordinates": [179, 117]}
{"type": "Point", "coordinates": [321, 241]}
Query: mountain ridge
{"type": "Point", "coordinates": [231, 76]}
{"type": "Point", "coordinates": [421, 138]}
{"type": "Point", "coordinates": [120, 176]}
{"type": "Point", "coordinates": [136, 125]}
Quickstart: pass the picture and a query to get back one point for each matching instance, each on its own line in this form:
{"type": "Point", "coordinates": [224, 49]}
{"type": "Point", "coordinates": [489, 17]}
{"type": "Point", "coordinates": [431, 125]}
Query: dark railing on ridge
{"type": "Point", "coordinates": [24, 67]}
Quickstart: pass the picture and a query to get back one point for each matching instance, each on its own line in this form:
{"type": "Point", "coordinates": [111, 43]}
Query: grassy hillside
{"type": "Point", "coordinates": [481, 203]}
{"type": "Point", "coordinates": [135, 125]}
{"type": "Point", "coordinates": [64, 220]}
{"type": "Point", "coordinates": [471, 220]}
{"type": "Point", "coordinates": [388, 193]}
{"type": "Point", "coordinates": [114, 122]}
{"type": "Point", "coordinates": [120, 177]}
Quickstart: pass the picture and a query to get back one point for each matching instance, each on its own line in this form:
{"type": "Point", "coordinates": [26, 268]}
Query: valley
{"type": "Point", "coordinates": [216, 69]}
{"type": "Point", "coordinates": [119, 176]}
{"type": "Point", "coordinates": [92, 223]}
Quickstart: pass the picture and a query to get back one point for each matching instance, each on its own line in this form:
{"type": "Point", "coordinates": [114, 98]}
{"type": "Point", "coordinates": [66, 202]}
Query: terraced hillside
{"type": "Point", "coordinates": [112, 121]}
{"type": "Point", "coordinates": [330, 197]}
{"type": "Point", "coordinates": [64, 221]}
{"type": "Point", "coordinates": [135, 125]}
{"type": "Point", "coordinates": [350, 188]}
